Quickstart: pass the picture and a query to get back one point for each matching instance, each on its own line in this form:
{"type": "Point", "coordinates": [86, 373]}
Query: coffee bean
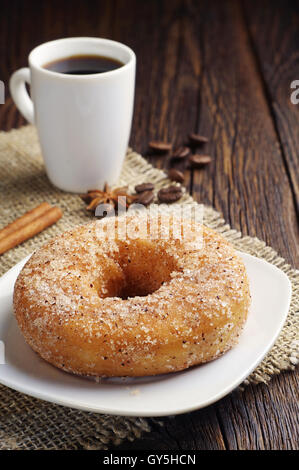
{"type": "Point", "coordinates": [171, 189]}
{"type": "Point", "coordinates": [145, 198]}
{"type": "Point", "coordinates": [159, 146]}
{"type": "Point", "coordinates": [197, 139]}
{"type": "Point", "coordinates": [176, 175]}
{"type": "Point", "coordinates": [181, 152]}
{"type": "Point", "coordinates": [170, 194]}
{"type": "Point", "coordinates": [199, 160]}
{"type": "Point", "coordinates": [144, 187]}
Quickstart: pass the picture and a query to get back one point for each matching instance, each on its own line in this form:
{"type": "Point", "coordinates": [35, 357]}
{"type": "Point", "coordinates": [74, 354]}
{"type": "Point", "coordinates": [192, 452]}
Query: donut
{"type": "Point", "coordinates": [96, 302]}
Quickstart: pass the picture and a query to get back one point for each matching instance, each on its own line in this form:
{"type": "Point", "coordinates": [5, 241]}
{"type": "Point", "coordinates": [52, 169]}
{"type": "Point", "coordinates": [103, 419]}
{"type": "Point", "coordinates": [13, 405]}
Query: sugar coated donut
{"type": "Point", "coordinates": [96, 301]}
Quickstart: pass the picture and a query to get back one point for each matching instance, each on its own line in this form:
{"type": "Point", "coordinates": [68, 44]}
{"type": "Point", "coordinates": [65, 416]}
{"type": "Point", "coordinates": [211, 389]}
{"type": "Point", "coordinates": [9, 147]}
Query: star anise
{"type": "Point", "coordinates": [110, 197]}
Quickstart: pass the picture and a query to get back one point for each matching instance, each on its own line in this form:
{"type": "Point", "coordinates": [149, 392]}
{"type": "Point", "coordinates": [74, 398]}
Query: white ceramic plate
{"type": "Point", "coordinates": [162, 395]}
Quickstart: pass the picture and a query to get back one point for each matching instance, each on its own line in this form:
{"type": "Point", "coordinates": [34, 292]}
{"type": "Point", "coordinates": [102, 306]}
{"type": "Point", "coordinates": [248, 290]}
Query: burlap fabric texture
{"type": "Point", "coordinates": [28, 423]}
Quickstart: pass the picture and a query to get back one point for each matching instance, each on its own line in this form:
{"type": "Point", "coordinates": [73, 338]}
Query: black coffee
{"type": "Point", "coordinates": [83, 64]}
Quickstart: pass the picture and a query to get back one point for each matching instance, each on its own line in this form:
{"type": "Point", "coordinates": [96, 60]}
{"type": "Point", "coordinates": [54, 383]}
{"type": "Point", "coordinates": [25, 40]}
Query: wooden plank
{"type": "Point", "coordinates": [253, 420]}
{"type": "Point", "coordinates": [275, 40]}
{"type": "Point", "coordinates": [168, 74]}
{"type": "Point", "coordinates": [247, 181]}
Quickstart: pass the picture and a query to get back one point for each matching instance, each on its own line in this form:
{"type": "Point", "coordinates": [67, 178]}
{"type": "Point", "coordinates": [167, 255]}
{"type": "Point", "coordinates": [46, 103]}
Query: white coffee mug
{"type": "Point", "coordinates": [83, 121]}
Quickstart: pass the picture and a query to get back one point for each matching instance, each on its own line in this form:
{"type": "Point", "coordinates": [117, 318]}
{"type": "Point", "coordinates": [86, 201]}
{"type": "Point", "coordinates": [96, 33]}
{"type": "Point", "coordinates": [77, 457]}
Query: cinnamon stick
{"type": "Point", "coordinates": [24, 219]}
{"type": "Point", "coordinates": [32, 228]}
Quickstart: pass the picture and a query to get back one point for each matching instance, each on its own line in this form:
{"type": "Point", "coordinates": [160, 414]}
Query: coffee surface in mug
{"type": "Point", "coordinates": [83, 64]}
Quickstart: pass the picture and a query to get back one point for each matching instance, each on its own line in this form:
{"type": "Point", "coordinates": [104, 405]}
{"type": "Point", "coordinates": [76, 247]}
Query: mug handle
{"type": "Point", "coordinates": [19, 93]}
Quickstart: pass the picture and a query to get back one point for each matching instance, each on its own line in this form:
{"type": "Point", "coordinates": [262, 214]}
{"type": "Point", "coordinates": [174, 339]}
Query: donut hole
{"type": "Point", "coordinates": [146, 266]}
{"type": "Point", "coordinates": [140, 268]}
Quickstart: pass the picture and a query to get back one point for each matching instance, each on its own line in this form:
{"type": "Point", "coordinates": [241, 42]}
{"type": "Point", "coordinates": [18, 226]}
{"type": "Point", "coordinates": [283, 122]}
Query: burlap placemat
{"type": "Point", "coordinates": [28, 423]}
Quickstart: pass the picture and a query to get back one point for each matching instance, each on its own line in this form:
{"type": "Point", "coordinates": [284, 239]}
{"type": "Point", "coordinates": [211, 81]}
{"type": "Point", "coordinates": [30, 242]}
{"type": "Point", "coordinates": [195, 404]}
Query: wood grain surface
{"type": "Point", "coordinates": [223, 69]}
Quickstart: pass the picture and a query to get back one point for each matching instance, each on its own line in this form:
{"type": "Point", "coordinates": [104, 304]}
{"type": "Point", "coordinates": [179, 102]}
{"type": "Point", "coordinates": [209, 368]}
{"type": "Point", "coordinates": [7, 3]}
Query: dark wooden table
{"type": "Point", "coordinates": [224, 69]}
